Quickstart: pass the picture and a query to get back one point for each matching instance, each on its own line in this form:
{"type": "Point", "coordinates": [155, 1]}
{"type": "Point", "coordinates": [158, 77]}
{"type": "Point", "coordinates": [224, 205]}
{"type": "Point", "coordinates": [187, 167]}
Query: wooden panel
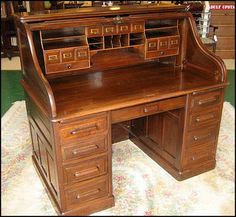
{"type": "Point", "coordinates": [137, 27]}
{"type": "Point", "coordinates": [226, 54]}
{"type": "Point", "coordinates": [85, 169]}
{"type": "Point", "coordinates": [225, 43]}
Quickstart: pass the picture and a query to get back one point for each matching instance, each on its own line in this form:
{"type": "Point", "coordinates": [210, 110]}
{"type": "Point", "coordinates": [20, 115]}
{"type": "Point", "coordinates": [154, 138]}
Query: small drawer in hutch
{"type": "Point", "coordinates": [151, 45]}
{"type": "Point", "coordinates": [67, 55]}
{"type": "Point", "coordinates": [54, 68]}
{"type": "Point", "coordinates": [137, 27]}
{"type": "Point", "coordinates": [206, 100]}
{"type": "Point", "coordinates": [94, 31]}
{"type": "Point", "coordinates": [123, 28]}
{"type": "Point", "coordinates": [81, 53]}
{"type": "Point", "coordinates": [167, 53]}
{"type": "Point", "coordinates": [109, 29]}
{"type": "Point", "coordinates": [174, 42]}
{"type": "Point", "coordinates": [82, 128]}
{"type": "Point", "coordinates": [84, 149]}
{"type": "Point", "coordinates": [52, 57]}
{"type": "Point", "coordinates": [163, 44]}
{"type": "Point", "coordinates": [86, 191]}
{"type": "Point", "coordinates": [85, 170]}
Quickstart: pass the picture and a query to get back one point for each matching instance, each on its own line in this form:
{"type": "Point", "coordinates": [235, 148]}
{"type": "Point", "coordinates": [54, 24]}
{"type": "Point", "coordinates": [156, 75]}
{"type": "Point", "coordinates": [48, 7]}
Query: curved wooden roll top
{"type": "Point", "coordinates": [100, 46]}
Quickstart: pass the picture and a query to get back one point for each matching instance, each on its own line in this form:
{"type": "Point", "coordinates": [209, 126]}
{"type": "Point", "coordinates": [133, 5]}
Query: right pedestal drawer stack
{"type": "Point", "coordinates": [202, 129]}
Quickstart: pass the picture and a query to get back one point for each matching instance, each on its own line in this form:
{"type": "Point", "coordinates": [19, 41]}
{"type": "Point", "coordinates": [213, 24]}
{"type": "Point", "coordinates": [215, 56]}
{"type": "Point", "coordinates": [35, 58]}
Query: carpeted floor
{"type": "Point", "coordinates": [140, 186]}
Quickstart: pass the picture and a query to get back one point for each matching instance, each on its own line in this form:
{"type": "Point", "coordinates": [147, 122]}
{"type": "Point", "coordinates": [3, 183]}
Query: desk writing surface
{"type": "Point", "coordinates": [117, 88]}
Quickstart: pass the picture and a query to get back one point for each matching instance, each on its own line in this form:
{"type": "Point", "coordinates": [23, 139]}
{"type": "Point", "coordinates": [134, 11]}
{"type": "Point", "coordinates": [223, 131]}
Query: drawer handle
{"type": "Point", "coordinates": [196, 138]}
{"type": "Point", "coordinates": [122, 28]}
{"type": "Point", "coordinates": [206, 101]}
{"type": "Point", "coordinates": [162, 52]}
{"type": "Point", "coordinates": [86, 128]}
{"type": "Point", "coordinates": [152, 44]}
{"type": "Point", "coordinates": [86, 172]}
{"type": "Point", "coordinates": [198, 119]}
{"type": "Point", "coordinates": [52, 57]}
{"type": "Point", "coordinates": [88, 193]}
{"type": "Point", "coordinates": [82, 54]}
{"type": "Point", "coordinates": [193, 157]}
{"type": "Point", "coordinates": [94, 31]}
{"type": "Point", "coordinates": [150, 109]}
{"type": "Point", "coordinates": [67, 55]}
{"type": "Point", "coordinates": [163, 43]}
{"type": "Point", "coordinates": [85, 149]}
{"type": "Point", "coordinates": [109, 29]}
{"type": "Point", "coordinates": [68, 66]}
{"type": "Point", "coordinates": [137, 27]}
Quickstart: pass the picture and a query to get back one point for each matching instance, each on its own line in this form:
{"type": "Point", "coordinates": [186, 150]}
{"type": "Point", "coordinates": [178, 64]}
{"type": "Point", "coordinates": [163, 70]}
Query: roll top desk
{"type": "Point", "coordinates": [95, 76]}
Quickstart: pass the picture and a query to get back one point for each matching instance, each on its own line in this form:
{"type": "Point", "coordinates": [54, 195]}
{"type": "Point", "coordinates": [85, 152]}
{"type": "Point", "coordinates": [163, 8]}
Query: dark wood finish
{"type": "Point", "coordinates": [93, 78]}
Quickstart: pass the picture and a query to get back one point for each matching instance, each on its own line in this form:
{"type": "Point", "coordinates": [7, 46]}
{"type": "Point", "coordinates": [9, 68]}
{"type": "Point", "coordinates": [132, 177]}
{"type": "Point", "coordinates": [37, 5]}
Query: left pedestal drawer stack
{"type": "Point", "coordinates": [85, 153]}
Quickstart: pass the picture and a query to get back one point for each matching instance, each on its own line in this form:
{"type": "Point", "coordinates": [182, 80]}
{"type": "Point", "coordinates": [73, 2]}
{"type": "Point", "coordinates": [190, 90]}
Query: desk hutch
{"type": "Point", "coordinates": [95, 76]}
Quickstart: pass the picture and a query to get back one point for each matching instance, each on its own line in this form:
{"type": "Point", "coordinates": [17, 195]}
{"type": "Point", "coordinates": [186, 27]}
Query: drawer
{"type": "Point", "coordinates": [147, 109]}
{"type": "Point", "coordinates": [87, 191]}
{"type": "Point", "coordinates": [83, 149]}
{"type": "Point", "coordinates": [137, 27]}
{"type": "Point", "coordinates": [81, 53]}
{"type": "Point", "coordinates": [85, 170]}
{"type": "Point", "coordinates": [52, 57]}
{"type": "Point", "coordinates": [110, 29]}
{"type": "Point", "coordinates": [163, 43]}
{"type": "Point", "coordinates": [173, 42]}
{"type": "Point", "coordinates": [167, 53]}
{"type": "Point", "coordinates": [200, 153]}
{"type": "Point", "coordinates": [82, 128]}
{"type": "Point", "coordinates": [94, 31]}
{"type": "Point", "coordinates": [123, 28]}
{"type": "Point", "coordinates": [67, 55]}
{"type": "Point", "coordinates": [151, 45]}
{"type": "Point", "coordinates": [200, 119]}
{"type": "Point", "coordinates": [82, 64]}
{"type": "Point", "coordinates": [205, 100]}
{"type": "Point", "coordinates": [202, 135]}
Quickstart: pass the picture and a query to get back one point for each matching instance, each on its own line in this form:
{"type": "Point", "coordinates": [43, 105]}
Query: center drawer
{"type": "Point", "coordinates": [147, 109]}
{"type": "Point", "coordinates": [85, 170]}
{"type": "Point", "coordinates": [81, 128]}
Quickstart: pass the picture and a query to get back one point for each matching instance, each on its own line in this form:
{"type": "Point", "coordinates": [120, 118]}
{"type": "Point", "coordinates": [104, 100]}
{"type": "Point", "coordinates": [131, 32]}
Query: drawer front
{"type": "Point", "coordinates": [200, 154]}
{"type": "Point", "coordinates": [83, 149]}
{"type": "Point", "coordinates": [87, 191]}
{"type": "Point", "coordinates": [67, 55]}
{"type": "Point", "coordinates": [110, 30]}
{"type": "Point", "coordinates": [202, 135]}
{"type": "Point", "coordinates": [206, 100]}
{"type": "Point", "coordinates": [147, 109]}
{"type": "Point", "coordinates": [167, 53]}
{"type": "Point", "coordinates": [137, 27]}
{"type": "Point", "coordinates": [163, 44]}
{"type": "Point", "coordinates": [173, 42]}
{"type": "Point", "coordinates": [199, 119]}
{"type": "Point", "coordinates": [81, 53]}
{"type": "Point", "coordinates": [52, 57]}
{"type": "Point", "coordinates": [151, 45]}
{"type": "Point", "coordinates": [94, 31]}
{"type": "Point", "coordinates": [123, 28]}
{"type": "Point", "coordinates": [83, 128]}
{"type": "Point", "coordinates": [85, 170]}
{"type": "Point", "coordinates": [67, 66]}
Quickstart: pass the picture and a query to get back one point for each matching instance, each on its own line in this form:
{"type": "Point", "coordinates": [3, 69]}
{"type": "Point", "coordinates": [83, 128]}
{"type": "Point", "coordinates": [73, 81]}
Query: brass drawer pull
{"type": "Point", "coordinates": [162, 52]}
{"type": "Point", "coordinates": [94, 31]}
{"type": "Point", "coordinates": [123, 28]}
{"type": "Point", "coordinates": [109, 29]}
{"type": "Point", "coordinates": [198, 119]}
{"type": "Point", "coordinates": [82, 54]}
{"type": "Point", "coordinates": [85, 149]}
{"type": "Point", "coordinates": [206, 101]}
{"type": "Point", "coordinates": [87, 194]}
{"type": "Point", "coordinates": [152, 44]}
{"type": "Point", "coordinates": [196, 138]}
{"type": "Point", "coordinates": [86, 172]}
{"type": "Point", "coordinates": [137, 27]}
{"type": "Point", "coordinates": [52, 57]}
{"type": "Point", "coordinates": [67, 55]}
{"type": "Point", "coordinates": [68, 66]}
{"type": "Point", "coordinates": [86, 128]}
{"type": "Point", "coordinates": [163, 43]}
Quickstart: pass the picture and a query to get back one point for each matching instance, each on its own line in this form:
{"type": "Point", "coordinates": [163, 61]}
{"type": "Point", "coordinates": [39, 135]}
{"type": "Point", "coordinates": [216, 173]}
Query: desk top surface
{"type": "Point", "coordinates": [118, 88]}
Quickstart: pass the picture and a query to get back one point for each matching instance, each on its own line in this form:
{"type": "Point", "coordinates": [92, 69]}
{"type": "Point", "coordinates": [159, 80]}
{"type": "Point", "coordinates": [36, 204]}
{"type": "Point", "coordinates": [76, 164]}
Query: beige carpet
{"type": "Point", "coordinates": [141, 187]}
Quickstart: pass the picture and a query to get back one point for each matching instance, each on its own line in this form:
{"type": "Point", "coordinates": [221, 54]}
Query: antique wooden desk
{"type": "Point", "coordinates": [95, 76]}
